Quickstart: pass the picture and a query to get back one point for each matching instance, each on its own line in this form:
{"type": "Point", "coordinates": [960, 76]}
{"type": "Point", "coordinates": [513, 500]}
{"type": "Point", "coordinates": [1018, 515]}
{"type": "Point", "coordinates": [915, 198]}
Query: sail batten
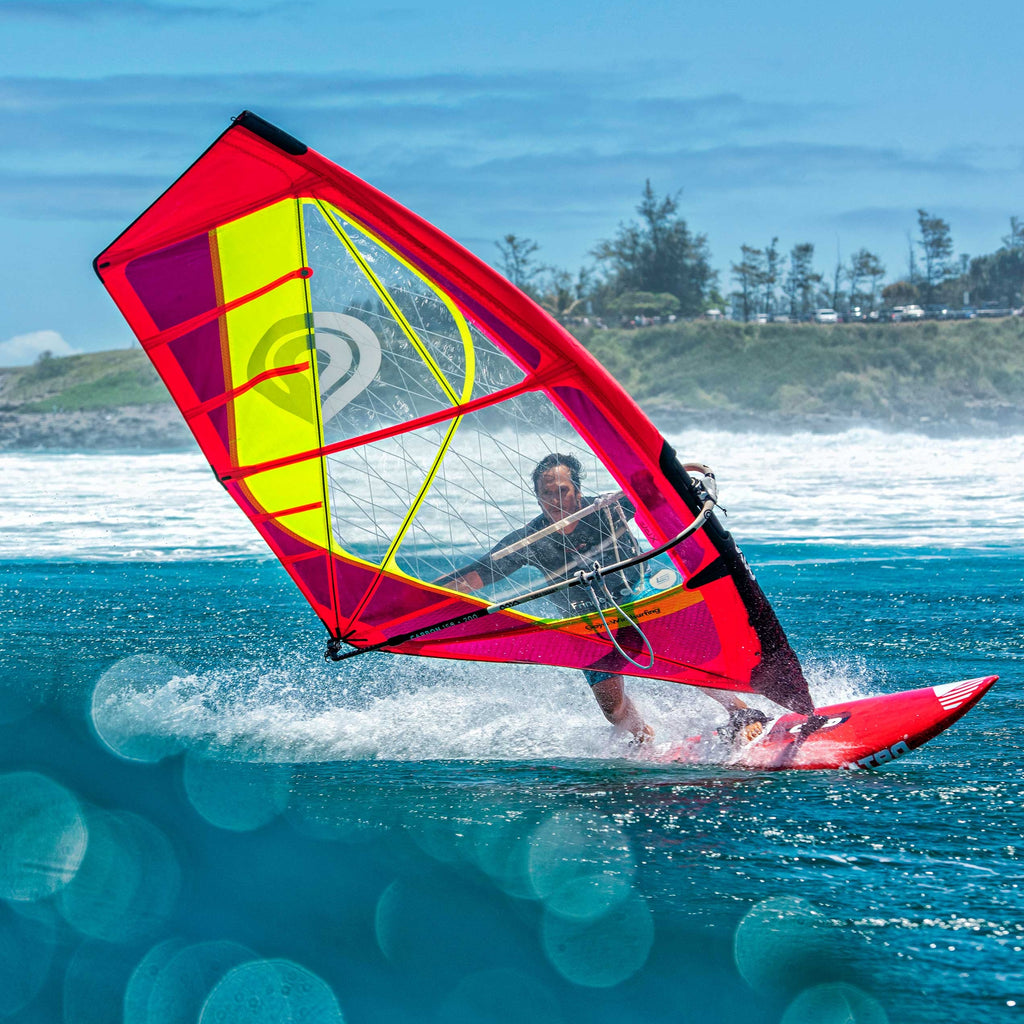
{"type": "Point", "coordinates": [441, 416]}
{"type": "Point", "coordinates": [376, 399]}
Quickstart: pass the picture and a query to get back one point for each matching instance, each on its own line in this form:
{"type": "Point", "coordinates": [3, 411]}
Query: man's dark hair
{"type": "Point", "coordinates": [570, 462]}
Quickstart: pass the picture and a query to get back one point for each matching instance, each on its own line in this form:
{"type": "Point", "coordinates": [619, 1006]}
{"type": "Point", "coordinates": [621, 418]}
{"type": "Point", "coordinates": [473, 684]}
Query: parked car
{"type": "Point", "coordinates": [826, 316]}
{"type": "Point", "coordinates": [781, 318]}
{"type": "Point", "coordinates": [761, 318]}
{"type": "Point", "coordinates": [913, 312]}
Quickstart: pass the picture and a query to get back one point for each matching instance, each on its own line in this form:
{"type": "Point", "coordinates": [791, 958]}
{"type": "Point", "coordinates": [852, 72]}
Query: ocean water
{"type": "Point", "coordinates": [200, 820]}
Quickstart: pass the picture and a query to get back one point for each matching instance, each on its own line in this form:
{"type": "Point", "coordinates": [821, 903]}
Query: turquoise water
{"type": "Point", "coordinates": [201, 820]}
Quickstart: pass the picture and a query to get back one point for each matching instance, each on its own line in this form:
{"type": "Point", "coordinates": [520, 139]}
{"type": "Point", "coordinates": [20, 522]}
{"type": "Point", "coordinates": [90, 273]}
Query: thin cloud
{"type": "Point", "coordinates": [721, 169]}
{"type": "Point", "coordinates": [479, 154]}
{"type": "Point", "coordinates": [471, 179]}
{"type": "Point", "coordinates": [90, 197]}
{"type": "Point", "coordinates": [475, 120]}
{"type": "Point", "coordinates": [23, 349]}
{"type": "Point", "coordinates": [877, 218]}
{"type": "Point", "coordinates": [612, 113]}
{"type": "Point", "coordinates": [501, 126]}
{"type": "Point", "coordinates": [149, 10]}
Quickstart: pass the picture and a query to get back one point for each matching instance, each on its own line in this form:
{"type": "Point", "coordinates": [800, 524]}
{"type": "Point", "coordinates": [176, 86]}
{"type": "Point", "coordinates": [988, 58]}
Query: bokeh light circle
{"type": "Point", "coordinates": [435, 926]}
{"type": "Point", "coordinates": [588, 896]}
{"type": "Point", "coordinates": [603, 951]}
{"type": "Point", "coordinates": [784, 944]}
{"type": "Point", "coordinates": [128, 882]}
{"type": "Point", "coordinates": [235, 795]}
{"type": "Point", "coordinates": [571, 844]}
{"type": "Point", "coordinates": [43, 836]}
{"type": "Point", "coordinates": [144, 978]}
{"type": "Point", "coordinates": [836, 1003]}
{"type": "Point", "coordinates": [271, 992]}
{"type": "Point", "coordinates": [501, 850]}
{"type": "Point", "coordinates": [137, 690]}
{"type": "Point", "coordinates": [186, 978]}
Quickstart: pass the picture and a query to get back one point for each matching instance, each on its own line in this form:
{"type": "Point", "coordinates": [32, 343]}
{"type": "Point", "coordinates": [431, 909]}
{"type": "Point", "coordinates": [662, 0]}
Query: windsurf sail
{"type": "Point", "coordinates": [375, 398]}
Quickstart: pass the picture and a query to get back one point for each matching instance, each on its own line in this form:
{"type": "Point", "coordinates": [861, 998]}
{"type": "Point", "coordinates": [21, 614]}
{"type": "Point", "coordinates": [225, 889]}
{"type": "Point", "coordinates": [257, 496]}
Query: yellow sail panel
{"type": "Point", "coordinates": [275, 412]}
{"type": "Point", "coordinates": [280, 492]}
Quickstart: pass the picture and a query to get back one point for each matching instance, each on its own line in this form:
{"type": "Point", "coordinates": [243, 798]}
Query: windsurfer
{"type": "Point", "coordinates": [575, 544]}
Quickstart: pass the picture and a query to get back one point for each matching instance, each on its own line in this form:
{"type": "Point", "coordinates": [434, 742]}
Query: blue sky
{"type": "Point", "coordinates": [813, 123]}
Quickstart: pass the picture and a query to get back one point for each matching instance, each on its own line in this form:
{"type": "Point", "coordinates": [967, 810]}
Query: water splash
{"type": "Point", "coordinates": [394, 709]}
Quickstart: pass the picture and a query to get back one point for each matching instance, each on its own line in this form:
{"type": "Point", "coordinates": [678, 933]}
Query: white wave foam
{"type": "Point", "coordinates": [124, 506]}
{"type": "Point", "coordinates": [866, 487]}
{"type": "Point", "coordinates": [858, 488]}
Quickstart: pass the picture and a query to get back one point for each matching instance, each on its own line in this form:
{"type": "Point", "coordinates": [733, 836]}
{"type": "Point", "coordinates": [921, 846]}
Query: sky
{"type": "Point", "coordinates": [830, 124]}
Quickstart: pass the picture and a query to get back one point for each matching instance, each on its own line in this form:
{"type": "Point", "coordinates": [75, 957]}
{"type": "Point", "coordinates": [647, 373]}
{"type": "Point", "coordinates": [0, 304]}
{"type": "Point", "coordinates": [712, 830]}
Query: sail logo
{"type": "Point", "coordinates": [353, 359]}
{"type": "Point", "coordinates": [829, 723]}
{"type": "Point", "coordinates": [615, 621]}
{"type": "Point", "coordinates": [348, 358]}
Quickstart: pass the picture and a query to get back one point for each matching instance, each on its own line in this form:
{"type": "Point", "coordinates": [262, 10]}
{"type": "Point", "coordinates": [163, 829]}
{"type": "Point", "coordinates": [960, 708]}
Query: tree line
{"type": "Point", "coordinates": [656, 266]}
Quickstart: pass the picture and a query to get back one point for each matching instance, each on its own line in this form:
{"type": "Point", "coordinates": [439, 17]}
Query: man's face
{"type": "Point", "coordinates": [556, 494]}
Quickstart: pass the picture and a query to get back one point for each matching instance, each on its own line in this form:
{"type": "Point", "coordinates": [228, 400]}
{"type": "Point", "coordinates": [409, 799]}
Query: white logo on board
{"type": "Point", "coordinates": [663, 579]}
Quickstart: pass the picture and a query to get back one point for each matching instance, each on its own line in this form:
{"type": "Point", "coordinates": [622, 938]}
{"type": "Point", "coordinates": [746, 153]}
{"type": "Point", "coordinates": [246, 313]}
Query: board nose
{"type": "Point", "coordinates": [963, 694]}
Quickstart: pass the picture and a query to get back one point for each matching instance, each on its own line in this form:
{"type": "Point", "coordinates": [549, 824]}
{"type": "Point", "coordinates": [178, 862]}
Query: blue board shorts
{"type": "Point", "coordinates": [593, 678]}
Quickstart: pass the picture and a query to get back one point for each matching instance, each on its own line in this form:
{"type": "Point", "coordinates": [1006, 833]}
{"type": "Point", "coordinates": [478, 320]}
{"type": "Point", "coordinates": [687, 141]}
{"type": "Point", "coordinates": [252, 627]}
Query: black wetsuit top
{"type": "Point", "coordinates": [601, 537]}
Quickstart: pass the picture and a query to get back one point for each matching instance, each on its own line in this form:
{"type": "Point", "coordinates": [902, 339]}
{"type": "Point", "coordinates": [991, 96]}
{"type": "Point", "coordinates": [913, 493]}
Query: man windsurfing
{"type": "Point", "coordinates": [558, 542]}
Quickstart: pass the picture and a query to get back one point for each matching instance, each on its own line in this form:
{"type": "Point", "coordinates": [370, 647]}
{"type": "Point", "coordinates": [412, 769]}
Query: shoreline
{"type": "Point", "coordinates": [932, 379]}
{"type": "Point", "coordinates": [160, 428]}
{"type": "Point", "coordinates": [152, 428]}
{"type": "Point", "coordinates": [996, 422]}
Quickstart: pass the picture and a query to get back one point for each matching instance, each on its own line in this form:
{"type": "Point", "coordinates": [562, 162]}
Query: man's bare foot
{"type": "Point", "coordinates": [644, 736]}
{"type": "Point", "coordinates": [745, 724]}
{"type": "Point", "coordinates": [751, 732]}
